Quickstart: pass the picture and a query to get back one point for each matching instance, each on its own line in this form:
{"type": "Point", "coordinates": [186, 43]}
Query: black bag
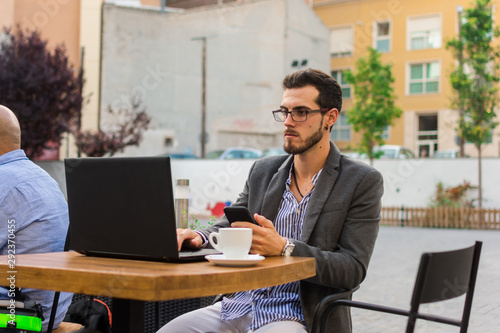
{"type": "Point", "coordinates": [92, 313]}
{"type": "Point", "coordinates": [26, 319]}
{"type": "Point", "coordinates": [20, 314]}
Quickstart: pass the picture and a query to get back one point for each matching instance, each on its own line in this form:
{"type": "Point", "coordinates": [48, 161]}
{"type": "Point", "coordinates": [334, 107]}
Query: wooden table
{"type": "Point", "coordinates": [132, 282]}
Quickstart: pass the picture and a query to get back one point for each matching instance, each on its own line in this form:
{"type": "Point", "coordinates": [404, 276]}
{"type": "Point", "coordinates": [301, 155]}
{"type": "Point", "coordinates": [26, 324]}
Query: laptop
{"type": "Point", "coordinates": [124, 208]}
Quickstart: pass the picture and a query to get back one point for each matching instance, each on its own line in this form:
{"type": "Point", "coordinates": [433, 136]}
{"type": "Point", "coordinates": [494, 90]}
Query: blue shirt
{"type": "Point", "coordinates": [33, 219]}
{"type": "Point", "coordinates": [280, 302]}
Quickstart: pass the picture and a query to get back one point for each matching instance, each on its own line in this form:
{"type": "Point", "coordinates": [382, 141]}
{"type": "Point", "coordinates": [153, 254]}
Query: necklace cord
{"type": "Point", "coordinates": [295, 177]}
{"type": "Point", "coordinates": [295, 180]}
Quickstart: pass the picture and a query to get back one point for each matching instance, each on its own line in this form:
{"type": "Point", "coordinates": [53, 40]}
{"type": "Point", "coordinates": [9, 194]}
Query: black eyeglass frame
{"type": "Point", "coordinates": [282, 119]}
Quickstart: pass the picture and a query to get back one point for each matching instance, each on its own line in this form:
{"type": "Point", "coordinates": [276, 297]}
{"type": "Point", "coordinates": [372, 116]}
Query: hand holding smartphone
{"type": "Point", "coordinates": [237, 213]}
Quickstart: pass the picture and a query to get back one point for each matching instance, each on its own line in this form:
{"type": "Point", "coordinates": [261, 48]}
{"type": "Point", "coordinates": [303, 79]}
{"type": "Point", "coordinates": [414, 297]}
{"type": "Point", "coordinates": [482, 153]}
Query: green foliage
{"type": "Point", "coordinates": [194, 224]}
{"type": "Point", "coordinates": [455, 197]}
{"type": "Point", "coordinates": [127, 127]}
{"type": "Point", "coordinates": [40, 86]}
{"type": "Point", "coordinates": [374, 107]}
{"type": "Point", "coordinates": [475, 80]}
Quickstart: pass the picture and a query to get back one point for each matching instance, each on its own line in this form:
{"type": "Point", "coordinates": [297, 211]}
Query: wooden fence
{"type": "Point", "coordinates": [442, 217]}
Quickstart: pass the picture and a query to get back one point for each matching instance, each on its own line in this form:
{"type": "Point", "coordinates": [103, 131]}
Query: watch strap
{"type": "Point", "coordinates": [288, 248]}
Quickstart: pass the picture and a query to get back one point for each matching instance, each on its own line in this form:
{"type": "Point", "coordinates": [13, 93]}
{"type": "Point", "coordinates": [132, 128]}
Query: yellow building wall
{"type": "Point", "coordinates": [6, 13]}
{"type": "Point", "coordinates": [152, 2]}
{"type": "Point", "coordinates": [57, 20]}
{"type": "Point", "coordinates": [361, 15]}
{"type": "Point", "coordinates": [90, 37]}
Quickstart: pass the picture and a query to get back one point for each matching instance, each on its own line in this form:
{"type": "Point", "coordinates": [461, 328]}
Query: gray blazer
{"type": "Point", "coordinates": [340, 227]}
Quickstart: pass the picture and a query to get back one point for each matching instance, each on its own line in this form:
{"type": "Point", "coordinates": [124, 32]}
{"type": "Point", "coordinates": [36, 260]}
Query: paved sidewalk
{"type": "Point", "coordinates": [392, 273]}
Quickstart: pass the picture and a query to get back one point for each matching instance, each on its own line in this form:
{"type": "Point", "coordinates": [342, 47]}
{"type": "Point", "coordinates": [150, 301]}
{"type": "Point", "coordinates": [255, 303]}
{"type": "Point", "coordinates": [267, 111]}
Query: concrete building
{"type": "Point", "coordinates": [153, 49]}
{"type": "Point", "coordinates": [243, 49]}
{"type": "Point", "coordinates": [411, 35]}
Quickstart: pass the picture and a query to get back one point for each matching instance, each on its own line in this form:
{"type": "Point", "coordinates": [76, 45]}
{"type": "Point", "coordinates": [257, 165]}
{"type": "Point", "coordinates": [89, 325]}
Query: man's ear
{"type": "Point", "coordinates": [331, 117]}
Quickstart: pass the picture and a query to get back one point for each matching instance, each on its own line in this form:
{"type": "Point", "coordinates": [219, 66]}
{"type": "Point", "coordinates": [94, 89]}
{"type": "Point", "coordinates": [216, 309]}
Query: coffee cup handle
{"type": "Point", "coordinates": [217, 245]}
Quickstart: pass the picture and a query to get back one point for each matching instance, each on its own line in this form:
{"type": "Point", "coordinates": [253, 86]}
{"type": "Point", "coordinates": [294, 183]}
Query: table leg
{"type": "Point", "coordinates": [128, 316]}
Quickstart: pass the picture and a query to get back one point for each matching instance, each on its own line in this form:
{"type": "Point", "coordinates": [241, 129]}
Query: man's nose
{"type": "Point", "coordinates": [289, 119]}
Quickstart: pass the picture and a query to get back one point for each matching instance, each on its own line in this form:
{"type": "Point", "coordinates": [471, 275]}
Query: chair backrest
{"type": "Point", "coordinates": [445, 275]}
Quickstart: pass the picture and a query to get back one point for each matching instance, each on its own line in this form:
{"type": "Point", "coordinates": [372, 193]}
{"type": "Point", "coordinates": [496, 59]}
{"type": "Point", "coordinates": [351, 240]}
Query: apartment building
{"type": "Point", "coordinates": [412, 36]}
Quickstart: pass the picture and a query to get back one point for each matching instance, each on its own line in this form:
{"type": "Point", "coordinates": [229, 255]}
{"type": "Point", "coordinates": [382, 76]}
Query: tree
{"type": "Point", "coordinates": [126, 128]}
{"type": "Point", "coordinates": [40, 86]}
{"type": "Point", "coordinates": [475, 80]}
{"type": "Point", "coordinates": [374, 107]}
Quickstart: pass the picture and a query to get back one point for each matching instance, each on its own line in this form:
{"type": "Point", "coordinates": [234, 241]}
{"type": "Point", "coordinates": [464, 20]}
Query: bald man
{"type": "Point", "coordinates": [33, 211]}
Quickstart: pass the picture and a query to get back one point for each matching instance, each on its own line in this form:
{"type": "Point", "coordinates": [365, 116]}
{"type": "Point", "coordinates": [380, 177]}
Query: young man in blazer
{"type": "Point", "coordinates": [314, 202]}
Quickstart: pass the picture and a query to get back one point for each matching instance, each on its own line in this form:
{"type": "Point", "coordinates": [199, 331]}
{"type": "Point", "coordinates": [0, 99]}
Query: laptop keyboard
{"type": "Point", "coordinates": [197, 253]}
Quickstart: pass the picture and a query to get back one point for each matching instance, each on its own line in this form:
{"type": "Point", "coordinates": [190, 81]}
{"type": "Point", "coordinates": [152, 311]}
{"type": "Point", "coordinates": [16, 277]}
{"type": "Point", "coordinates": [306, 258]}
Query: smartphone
{"type": "Point", "coordinates": [236, 213]}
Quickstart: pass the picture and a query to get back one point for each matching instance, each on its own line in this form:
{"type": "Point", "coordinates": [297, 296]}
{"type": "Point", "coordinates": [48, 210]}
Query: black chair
{"type": "Point", "coordinates": [441, 276]}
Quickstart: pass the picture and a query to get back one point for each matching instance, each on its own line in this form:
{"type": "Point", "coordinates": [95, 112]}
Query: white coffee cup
{"type": "Point", "coordinates": [234, 243]}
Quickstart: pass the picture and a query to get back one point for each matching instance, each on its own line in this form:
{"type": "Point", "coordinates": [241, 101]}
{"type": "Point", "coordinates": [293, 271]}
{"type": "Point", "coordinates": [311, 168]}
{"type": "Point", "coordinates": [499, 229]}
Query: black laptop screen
{"type": "Point", "coordinates": [121, 207]}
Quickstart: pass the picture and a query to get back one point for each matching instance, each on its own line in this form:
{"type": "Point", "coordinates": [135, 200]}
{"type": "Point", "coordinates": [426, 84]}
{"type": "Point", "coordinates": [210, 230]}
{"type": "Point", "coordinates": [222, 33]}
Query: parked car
{"type": "Point", "coordinates": [353, 154]}
{"type": "Point", "coordinates": [388, 152]}
{"type": "Point", "coordinates": [274, 151]}
{"type": "Point", "coordinates": [235, 153]}
{"type": "Point", "coordinates": [394, 151]}
{"type": "Point", "coordinates": [213, 154]}
{"type": "Point", "coordinates": [182, 156]}
{"type": "Point", "coordinates": [446, 153]}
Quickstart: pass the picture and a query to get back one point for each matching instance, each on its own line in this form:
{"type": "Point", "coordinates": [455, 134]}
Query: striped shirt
{"type": "Point", "coordinates": [281, 302]}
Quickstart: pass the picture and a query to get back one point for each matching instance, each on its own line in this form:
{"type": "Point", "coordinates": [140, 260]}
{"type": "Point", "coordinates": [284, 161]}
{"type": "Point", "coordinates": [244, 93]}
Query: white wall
{"type": "Point", "coordinates": [411, 183]}
{"type": "Point", "coordinates": [406, 182]}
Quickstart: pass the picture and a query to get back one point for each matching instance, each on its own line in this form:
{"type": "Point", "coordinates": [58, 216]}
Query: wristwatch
{"type": "Point", "coordinates": [288, 248]}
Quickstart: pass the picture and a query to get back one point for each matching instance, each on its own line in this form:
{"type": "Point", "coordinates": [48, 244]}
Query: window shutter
{"type": "Point", "coordinates": [341, 41]}
{"type": "Point", "coordinates": [424, 23]}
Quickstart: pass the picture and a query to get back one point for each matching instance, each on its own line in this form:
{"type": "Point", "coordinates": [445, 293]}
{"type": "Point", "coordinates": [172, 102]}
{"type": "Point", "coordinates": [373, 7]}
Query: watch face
{"type": "Point", "coordinates": [288, 249]}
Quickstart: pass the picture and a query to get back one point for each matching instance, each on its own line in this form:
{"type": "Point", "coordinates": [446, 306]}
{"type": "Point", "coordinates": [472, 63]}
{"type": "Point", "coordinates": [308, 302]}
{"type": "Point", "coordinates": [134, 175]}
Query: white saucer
{"type": "Point", "coordinates": [220, 260]}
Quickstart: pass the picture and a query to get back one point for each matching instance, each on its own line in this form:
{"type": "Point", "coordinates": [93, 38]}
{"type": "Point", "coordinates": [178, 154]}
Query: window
{"type": "Point", "coordinates": [341, 131]}
{"type": "Point", "coordinates": [382, 37]}
{"type": "Point", "coordinates": [424, 78]}
{"type": "Point", "coordinates": [344, 86]}
{"type": "Point", "coordinates": [168, 142]}
{"type": "Point", "coordinates": [424, 32]}
{"type": "Point", "coordinates": [385, 133]}
{"type": "Point", "coordinates": [428, 127]}
{"type": "Point", "coordinates": [427, 135]}
{"type": "Point", "coordinates": [341, 42]}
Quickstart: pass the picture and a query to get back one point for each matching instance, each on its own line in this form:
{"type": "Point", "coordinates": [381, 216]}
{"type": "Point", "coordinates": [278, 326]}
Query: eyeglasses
{"type": "Point", "coordinates": [297, 115]}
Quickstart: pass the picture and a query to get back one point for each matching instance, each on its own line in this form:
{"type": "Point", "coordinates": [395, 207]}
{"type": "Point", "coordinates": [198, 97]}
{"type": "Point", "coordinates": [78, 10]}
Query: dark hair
{"type": "Point", "coordinates": [330, 94]}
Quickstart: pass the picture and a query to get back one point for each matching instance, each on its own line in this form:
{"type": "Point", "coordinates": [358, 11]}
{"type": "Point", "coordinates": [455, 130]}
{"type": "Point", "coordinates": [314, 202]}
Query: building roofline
{"type": "Point", "coordinates": [326, 3]}
{"type": "Point", "coordinates": [135, 4]}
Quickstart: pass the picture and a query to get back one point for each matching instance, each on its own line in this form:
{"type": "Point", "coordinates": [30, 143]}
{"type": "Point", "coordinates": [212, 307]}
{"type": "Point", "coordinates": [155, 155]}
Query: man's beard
{"type": "Point", "coordinates": [310, 142]}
